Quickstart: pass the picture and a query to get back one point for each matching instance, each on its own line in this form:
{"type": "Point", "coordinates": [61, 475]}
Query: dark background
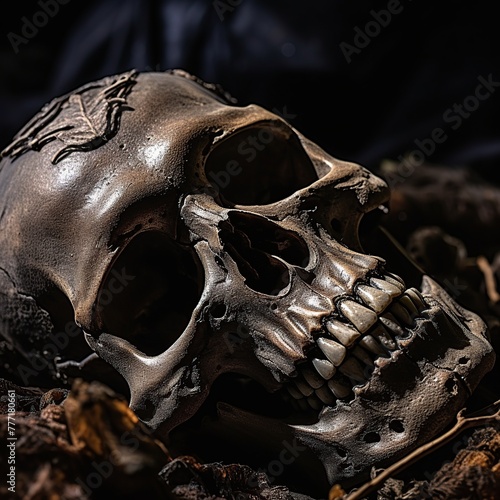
{"type": "Point", "coordinates": [284, 55]}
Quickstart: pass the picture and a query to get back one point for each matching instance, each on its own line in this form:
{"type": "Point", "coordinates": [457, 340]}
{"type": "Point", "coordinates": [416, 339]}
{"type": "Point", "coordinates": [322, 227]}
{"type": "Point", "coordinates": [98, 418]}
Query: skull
{"type": "Point", "coordinates": [196, 242]}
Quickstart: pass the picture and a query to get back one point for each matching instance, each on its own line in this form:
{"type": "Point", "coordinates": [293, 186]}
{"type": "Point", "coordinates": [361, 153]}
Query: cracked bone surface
{"type": "Point", "coordinates": [206, 249]}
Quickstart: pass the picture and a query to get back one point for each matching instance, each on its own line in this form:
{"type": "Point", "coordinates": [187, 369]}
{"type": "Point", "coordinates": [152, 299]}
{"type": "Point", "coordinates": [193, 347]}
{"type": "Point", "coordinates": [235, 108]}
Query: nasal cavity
{"type": "Point", "coordinates": [254, 243]}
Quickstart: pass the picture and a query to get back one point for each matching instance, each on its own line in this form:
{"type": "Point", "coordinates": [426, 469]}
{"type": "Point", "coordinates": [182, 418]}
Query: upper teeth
{"type": "Point", "coordinates": [334, 351]}
{"type": "Point", "coordinates": [395, 280]}
{"type": "Point", "coordinates": [352, 346]}
{"type": "Point", "coordinates": [390, 288]}
{"type": "Point", "coordinates": [361, 317]}
{"type": "Point", "coordinates": [345, 333]}
{"type": "Point", "coordinates": [376, 299]}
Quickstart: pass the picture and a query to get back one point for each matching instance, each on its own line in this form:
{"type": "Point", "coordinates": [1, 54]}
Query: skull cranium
{"type": "Point", "coordinates": [190, 238]}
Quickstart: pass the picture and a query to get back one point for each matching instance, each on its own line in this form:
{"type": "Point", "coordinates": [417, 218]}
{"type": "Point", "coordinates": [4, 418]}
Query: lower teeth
{"type": "Point", "coordinates": [384, 338]}
{"type": "Point", "coordinates": [352, 369]}
{"type": "Point", "coordinates": [363, 356]}
{"type": "Point", "coordinates": [325, 395]}
{"type": "Point", "coordinates": [369, 343]}
{"type": "Point", "coordinates": [390, 322]}
{"type": "Point", "coordinates": [314, 403]}
{"type": "Point", "coordinates": [339, 389]}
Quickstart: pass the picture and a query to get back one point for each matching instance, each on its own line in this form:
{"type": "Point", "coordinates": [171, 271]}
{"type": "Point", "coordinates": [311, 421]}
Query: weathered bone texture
{"type": "Point", "coordinates": [187, 238]}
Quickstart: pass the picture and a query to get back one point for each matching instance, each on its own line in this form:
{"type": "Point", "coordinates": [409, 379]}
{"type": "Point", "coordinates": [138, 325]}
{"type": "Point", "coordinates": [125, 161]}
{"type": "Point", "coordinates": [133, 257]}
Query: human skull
{"type": "Point", "coordinates": [189, 238]}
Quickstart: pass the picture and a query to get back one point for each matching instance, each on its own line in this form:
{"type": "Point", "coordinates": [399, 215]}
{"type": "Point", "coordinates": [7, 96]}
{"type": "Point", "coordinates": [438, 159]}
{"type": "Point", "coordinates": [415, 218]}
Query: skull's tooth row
{"type": "Point", "coordinates": [311, 391]}
{"type": "Point", "coordinates": [328, 381]}
{"type": "Point", "coordinates": [377, 296]}
{"type": "Point", "coordinates": [377, 342]}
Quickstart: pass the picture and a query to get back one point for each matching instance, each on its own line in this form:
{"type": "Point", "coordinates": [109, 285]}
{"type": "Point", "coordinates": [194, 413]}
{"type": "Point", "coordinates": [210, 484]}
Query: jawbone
{"type": "Point", "coordinates": [410, 397]}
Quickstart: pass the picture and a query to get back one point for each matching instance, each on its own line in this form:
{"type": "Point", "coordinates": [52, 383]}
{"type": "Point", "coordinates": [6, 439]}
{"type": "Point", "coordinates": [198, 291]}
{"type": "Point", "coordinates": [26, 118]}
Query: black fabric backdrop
{"type": "Point", "coordinates": [283, 54]}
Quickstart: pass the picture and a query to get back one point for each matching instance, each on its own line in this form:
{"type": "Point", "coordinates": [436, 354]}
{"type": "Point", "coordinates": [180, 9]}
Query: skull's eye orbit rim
{"type": "Point", "coordinates": [152, 277]}
{"type": "Point", "coordinates": [260, 164]}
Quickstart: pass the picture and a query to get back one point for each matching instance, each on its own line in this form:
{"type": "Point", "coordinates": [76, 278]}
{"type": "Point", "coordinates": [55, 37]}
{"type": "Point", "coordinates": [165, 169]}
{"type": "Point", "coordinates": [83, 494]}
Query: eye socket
{"type": "Point", "coordinates": [150, 292]}
{"type": "Point", "coordinates": [259, 165]}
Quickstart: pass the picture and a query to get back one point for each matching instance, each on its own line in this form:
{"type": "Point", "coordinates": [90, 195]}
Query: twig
{"type": "Point", "coordinates": [462, 424]}
{"type": "Point", "coordinates": [489, 279]}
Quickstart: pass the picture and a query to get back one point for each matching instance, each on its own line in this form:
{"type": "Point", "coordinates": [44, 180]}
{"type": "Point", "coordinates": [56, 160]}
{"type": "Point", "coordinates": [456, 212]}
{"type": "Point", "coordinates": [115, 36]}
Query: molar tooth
{"type": "Point", "coordinates": [389, 288]}
{"type": "Point", "coordinates": [391, 323]}
{"type": "Point", "coordinates": [346, 334]}
{"type": "Point", "coordinates": [360, 316]}
{"type": "Point", "coordinates": [363, 356]}
{"type": "Point", "coordinates": [312, 379]}
{"type": "Point", "coordinates": [325, 394]}
{"type": "Point", "coordinates": [352, 369]}
{"type": "Point", "coordinates": [324, 368]}
{"type": "Point", "coordinates": [314, 403]}
{"type": "Point", "coordinates": [369, 343]}
{"type": "Point", "coordinates": [417, 299]}
{"type": "Point", "coordinates": [408, 304]}
{"type": "Point", "coordinates": [376, 299]}
{"type": "Point", "coordinates": [294, 392]}
{"type": "Point", "coordinates": [401, 313]}
{"type": "Point", "coordinates": [334, 351]}
{"type": "Point", "coordinates": [304, 388]}
{"type": "Point", "coordinates": [339, 388]}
